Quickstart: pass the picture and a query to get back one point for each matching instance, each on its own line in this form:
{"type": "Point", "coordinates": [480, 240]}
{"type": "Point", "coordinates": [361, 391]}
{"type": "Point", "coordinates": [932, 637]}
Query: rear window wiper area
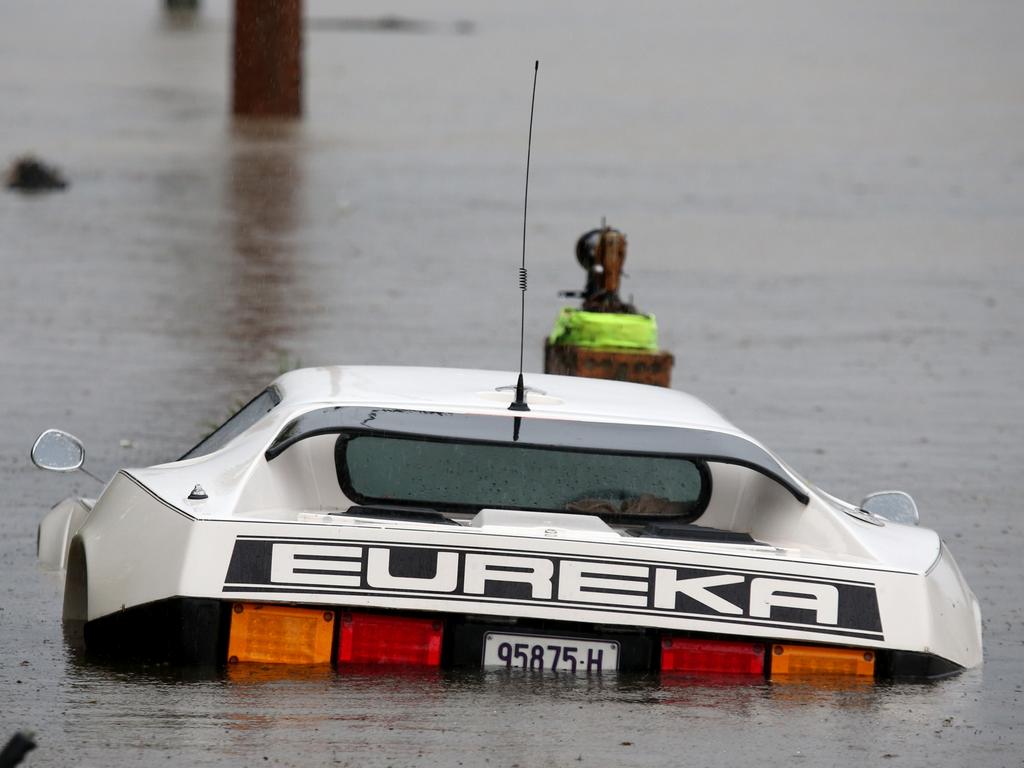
{"type": "Point", "coordinates": [687, 532]}
{"type": "Point", "coordinates": [397, 514]}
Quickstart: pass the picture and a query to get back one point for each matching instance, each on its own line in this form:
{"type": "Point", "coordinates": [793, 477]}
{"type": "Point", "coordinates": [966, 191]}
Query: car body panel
{"type": "Point", "coordinates": [812, 571]}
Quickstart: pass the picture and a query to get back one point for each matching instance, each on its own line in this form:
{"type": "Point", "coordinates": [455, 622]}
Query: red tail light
{"type": "Point", "coordinates": [683, 654]}
{"type": "Point", "coordinates": [367, 638]}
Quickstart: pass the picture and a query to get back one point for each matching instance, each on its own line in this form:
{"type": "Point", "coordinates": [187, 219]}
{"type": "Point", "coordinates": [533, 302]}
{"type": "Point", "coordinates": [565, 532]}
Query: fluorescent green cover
{"type": "Point", "coordinates": [577, 328]}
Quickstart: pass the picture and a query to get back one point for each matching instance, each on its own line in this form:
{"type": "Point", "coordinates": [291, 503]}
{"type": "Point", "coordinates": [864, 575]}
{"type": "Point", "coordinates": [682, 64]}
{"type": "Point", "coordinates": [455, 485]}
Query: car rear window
{"type": "Point", "coordinates": [460, 475]}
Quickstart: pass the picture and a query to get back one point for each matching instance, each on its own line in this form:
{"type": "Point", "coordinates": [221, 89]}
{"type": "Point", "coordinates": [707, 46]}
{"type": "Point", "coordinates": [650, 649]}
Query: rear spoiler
{"type": "Point", "coordinates": [540, 432]}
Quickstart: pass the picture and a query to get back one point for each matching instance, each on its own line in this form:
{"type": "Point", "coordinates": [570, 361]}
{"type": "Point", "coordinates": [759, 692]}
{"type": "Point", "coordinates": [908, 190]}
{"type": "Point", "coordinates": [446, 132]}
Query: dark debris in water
{"type": "Point", "coordinates": [387, 24]}
{"type": "Point", "coordinates": [30, 174]}
{"type": "Point", "coordinates": [15, 750]}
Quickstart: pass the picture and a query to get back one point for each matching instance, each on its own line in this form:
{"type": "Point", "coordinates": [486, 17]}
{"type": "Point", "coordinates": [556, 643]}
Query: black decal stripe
{"type": "Point", "coordinates": [451, 530]}
{"type": "Point", "coordinates": [437, 597]}
{"type": "Point", "coordinates": [162, 501]}
{"type": "Point", "coordinates": [303, 587]}
{"type": "Point", "coordinates": [596, 559]}
{"type": "Point", "coordinates": [857, 605]}
{"type": "Point", "coordinates": [499, 568]}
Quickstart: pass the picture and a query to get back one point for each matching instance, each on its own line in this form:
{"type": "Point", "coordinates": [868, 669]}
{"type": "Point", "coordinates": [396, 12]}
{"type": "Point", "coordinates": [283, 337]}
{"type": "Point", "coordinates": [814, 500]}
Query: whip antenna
{"type": "Point", "coordinates": [519, 404]}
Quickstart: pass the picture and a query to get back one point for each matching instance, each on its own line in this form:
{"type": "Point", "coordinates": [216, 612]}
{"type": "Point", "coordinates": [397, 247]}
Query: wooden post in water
{"type": "Point", "coordinates": [267, 79]}
{"type": "Point", "coordinates": [619, 364]}
{"type": "Point", "coordinates": [624, 347]}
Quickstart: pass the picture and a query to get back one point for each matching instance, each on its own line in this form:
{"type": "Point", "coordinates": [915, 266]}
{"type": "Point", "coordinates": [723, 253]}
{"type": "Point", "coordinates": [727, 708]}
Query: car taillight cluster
{"type": "Point", "coordinates": [800, 660]}
{"type": "Point", "coordinates": [279, 634]}
{"type": "Point", "coordinates": [367, 638]}
{"type": "Point", "coordinates": [729, 657]}
{"type": "Point", "coordinates": [680, 654]}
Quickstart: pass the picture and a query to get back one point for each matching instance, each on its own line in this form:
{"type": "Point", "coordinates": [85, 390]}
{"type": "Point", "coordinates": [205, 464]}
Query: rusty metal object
{"type": "Point", "coordinates": [602, 252]}
{"type": "Point", "coordinates": [620, 365]}
{"type": "Point", "coordinates": [267, 59]}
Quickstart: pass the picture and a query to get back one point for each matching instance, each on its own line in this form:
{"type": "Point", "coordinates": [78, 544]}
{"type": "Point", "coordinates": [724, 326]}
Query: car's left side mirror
{"type": "Point", "coordinates": [895, 506]}
{"type": "Point", "coordinates": [58, 451]}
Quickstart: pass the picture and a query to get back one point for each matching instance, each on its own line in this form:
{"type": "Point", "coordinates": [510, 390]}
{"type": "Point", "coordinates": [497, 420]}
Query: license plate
{"type": "Point", "coordinates": [555, 654]}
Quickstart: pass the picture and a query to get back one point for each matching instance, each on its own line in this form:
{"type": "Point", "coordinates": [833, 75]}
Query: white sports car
{"type": "Point", "coordinates": [376, 515]}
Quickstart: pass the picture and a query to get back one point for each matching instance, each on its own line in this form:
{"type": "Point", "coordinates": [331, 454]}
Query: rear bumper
{"type": "Point", "coordinates": [197, 631]}
{"type": "Point", "coordinates": [138, 553]}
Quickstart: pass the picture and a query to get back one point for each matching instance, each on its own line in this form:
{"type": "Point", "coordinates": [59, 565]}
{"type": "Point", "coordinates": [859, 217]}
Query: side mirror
{"type": "Point", "coordinates": [59, 451]}
{"type": "Point", "coordinates": [895, 506]}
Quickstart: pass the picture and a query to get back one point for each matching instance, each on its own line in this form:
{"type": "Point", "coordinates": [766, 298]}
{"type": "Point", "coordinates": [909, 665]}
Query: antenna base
{"type": "Point", "coordinates": [519, 404]}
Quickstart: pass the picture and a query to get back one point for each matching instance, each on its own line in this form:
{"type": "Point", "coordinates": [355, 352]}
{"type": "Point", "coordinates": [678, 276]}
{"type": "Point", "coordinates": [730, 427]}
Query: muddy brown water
{"type": "Point", "coordinates": [825, 208]}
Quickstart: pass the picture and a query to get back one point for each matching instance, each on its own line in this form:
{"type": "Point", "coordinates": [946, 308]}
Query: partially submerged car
{"type": "Point", "coordinates": [368, 515]}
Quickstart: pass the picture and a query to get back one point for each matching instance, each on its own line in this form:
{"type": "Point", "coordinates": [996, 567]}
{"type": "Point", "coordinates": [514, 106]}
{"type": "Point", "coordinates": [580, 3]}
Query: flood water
{"type": "Point", "coordinates": [825, 209]}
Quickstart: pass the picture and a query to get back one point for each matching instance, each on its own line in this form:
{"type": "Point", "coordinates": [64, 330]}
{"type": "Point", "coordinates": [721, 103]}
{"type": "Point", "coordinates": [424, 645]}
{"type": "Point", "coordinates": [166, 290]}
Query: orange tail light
{"type": "Point", "coordinates": [799, 660]}
{"type": "Point", "coordinates": [280, 634]}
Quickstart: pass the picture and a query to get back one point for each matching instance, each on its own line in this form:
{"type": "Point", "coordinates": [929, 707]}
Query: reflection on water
{"type": "Point", "coordinates": [394, 716]}
{"type": "Point", "coordinates": [799, 688]}
{"type": "Point", "coordinates": [272, 673]}
{"type": "Point", "coordinates": [381, 684]}
{"type": "Point", "coordinates": [263, 184]}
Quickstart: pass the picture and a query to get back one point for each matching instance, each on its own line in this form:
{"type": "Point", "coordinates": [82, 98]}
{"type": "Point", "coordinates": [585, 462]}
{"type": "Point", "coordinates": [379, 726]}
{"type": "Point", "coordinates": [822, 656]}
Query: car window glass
{"type": "Point", "coordinates": [248, 415]}
{"type": "Point", "coordinates": [475, 475]}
